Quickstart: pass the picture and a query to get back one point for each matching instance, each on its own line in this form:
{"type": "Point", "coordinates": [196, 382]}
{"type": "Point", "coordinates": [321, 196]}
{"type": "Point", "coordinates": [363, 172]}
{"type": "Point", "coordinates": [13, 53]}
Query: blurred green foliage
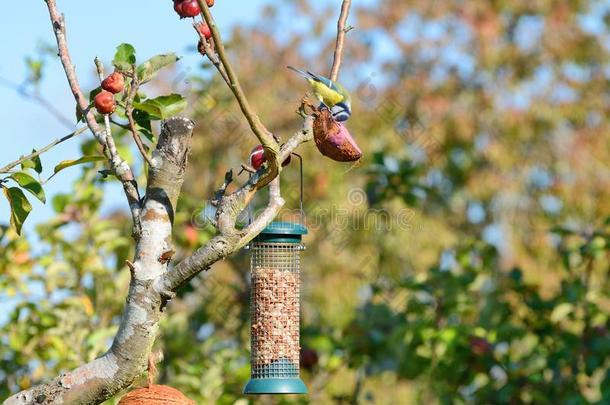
{"type": "Point", "coordinates": [463, 261]}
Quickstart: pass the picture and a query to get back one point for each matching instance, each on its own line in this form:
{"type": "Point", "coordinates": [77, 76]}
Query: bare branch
{"type": "Point", "coordinates": [341, 31]}
{"type": "Point", "coordinates": [205, 48]}
{"type": "Point", "coordinates": [120, 124]}
{"type": "Point", "coordinates": [120, 168]}
{"type": "Point", "coordinates": [109, 139]}
{"type": "Point", "coordinates": [246, 168]}
{"type": "Point", "coordinates": [276, 202]}
{"type": "Point", "coordinates": [39, 152]}
{"type": "Point", "coordinates": [43, 102]}
{"type": "Point", "coordinates": [223, 189]}
{"type": "Point", "coordinates": [133, 90]}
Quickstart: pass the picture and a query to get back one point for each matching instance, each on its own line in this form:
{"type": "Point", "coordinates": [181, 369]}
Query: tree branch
{"type": "Point", "coordinates": [276, 202]}
{"type": "Point", "coordinates": [231, 239]}
{"type": "Point", "coordinates": [341, 31]}
{"type": "Point", "coordinates": [43, 102]}
{"type": "Point", "coordinates": [205, 48]}
{"type": "Point", "coordinates": [270, 145]}
{"type": "Point", "coordinates": [109, 139]}
{"type": "Point", "coordinates": [120, 168]}
{"type": "Point", "coordinates": [128, 356]}
{"type": "Point", "coordinates": [133, 90]}
{"type": "Point", "coordinates": [39, 152]}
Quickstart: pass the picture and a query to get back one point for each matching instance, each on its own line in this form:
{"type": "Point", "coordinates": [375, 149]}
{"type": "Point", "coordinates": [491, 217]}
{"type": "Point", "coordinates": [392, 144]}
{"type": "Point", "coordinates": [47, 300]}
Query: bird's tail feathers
{"type": "Point", "coordinates": [303, 73]}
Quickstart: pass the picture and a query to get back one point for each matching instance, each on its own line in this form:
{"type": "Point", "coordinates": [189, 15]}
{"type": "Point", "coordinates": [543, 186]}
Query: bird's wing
{"type": "Point", "coordinates": [344, 92]}
{"type": "Point", "coordinates": [327, 91]}
{"type": "Point", "coordinates": [329, 96]}
{"type": "Point", "coordinates": [324, 80]}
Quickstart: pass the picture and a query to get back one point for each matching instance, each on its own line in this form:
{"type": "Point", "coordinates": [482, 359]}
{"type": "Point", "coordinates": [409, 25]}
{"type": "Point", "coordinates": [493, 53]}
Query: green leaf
{"type": "Point", "coordinates": [35, 68]}
{"type": "Point", "coordinates": [163, 107]}
{"type": "Point", "coordinates": [60, 201]}
{"type": "Point", "coordinates": [30, 184]}
{"type": "Point", "coordinates": [562, 231]}
{"type": "Point", "coordinates": [143, 124]}
{"type": "Point", "coordinates": [561, 311]}
{"type": "Point", "coordinates": [20, 207]}
{"type": "Point", "coordinates": [84, 159]}
{"type": "Point", "coordinates": [124, 57]}
{"type": "Point", "coordinates": [79, 115]}
{"type": "Point", "coordinates": [3, 229]}
{"type": "Point", "coordinates": [148, 69]}
{"type": "Point", "coordinates": [94, 93]}
{"type": "Point", "coordinates": [89, 147]}
{"type": "Point", "coordinates": [147, 134]}
{"type": "Point", "coordinates": [33, 163]}
{"type": "Point", "coordinates": [142, 118]}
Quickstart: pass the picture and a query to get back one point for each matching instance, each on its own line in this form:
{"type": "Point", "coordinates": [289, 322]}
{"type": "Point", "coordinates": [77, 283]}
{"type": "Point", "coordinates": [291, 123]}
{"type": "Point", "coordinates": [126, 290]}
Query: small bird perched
{"type": "Point", "coordinates": [332, 95]}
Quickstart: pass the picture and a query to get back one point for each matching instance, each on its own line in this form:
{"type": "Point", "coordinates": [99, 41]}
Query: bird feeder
{"type": "Point", "coordinates": [275, 310]}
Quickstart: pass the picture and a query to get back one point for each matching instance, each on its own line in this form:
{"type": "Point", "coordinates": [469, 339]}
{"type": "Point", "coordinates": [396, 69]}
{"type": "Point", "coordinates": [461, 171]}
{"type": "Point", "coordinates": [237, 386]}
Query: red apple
{"type": "Point", "coordinates": [479, 346]}
{"type": "Point", "coordinates": [204, 30]}
{"type": "Point", "coordinates": [114, 83]}
{"type": "Point", "coordinates": [257, 158]}
{"type": "Point", "coordinates": [187, 8]}
{"type": "Point", "coordinates": [104, 102]}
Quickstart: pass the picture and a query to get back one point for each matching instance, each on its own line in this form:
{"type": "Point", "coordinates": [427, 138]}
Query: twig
{"type": "Point", "coordinates": [270, 144]}
{"type": "Point", "coordinates": [132, 268]}
{"type": "Point", "coordinates": [341, 31]}
{"type": "Point", "coordinates": [246, 168]}
{"type": "Point", "coordinates": [59, 29]}
{"type": "Point", "coordinates": [205, 48]}
{"type": "Point", "coordinates": [109, 139]}
{"type": "Point", "coordinates": [39, 152]}
{"type": "Point", "coordinates": [152, 370]}
{"type": "Point", "coordinates": [276, 202]}
{"type": "Point", "coordinates": [135, 84]}
{"type": "Point", "coordinates": [223, 189]}
{"type": "Point", "coordinates": [43, 102]}
{"type": "Point", "coordinates": [120, 125]}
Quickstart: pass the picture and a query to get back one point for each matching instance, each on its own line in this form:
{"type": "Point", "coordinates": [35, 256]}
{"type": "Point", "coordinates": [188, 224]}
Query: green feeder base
{"type": "Point", "coordinates": [279, 377]}
{"type": "Point", "coordinates": [257, 386]}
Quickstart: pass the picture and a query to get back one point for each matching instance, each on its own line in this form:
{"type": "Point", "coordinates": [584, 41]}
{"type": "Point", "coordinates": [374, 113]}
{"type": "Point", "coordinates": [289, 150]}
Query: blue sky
{"type": "Point", "coordinates": [154, 28]}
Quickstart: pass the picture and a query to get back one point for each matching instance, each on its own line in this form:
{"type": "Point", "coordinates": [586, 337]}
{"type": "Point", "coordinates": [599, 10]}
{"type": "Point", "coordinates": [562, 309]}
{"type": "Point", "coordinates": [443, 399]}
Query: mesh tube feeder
{"type": "Point", "coordinates": [275, 310]}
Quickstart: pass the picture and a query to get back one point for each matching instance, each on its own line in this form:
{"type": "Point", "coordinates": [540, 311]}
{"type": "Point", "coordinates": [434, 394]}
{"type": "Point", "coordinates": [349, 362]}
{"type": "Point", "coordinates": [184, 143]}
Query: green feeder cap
{"type": "Point", "coordinates": [282, 232]}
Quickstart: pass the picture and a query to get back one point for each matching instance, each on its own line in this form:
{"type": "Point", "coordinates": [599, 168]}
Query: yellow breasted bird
{"type": "Point", "coordinates": [331, 94]}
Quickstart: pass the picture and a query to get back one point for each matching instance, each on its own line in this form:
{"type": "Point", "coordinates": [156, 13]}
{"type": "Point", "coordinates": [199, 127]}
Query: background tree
{"type": "Point", "coordinates": [464, 260]}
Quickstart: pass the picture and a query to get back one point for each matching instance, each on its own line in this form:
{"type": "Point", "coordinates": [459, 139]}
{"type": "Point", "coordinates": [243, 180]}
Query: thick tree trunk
{"type": "Point", "coordinates": [102, 378]}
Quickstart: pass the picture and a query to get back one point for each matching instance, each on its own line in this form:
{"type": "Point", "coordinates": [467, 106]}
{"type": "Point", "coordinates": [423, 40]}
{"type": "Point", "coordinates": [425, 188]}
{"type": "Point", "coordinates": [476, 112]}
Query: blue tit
{"type": "Point", "coordinates": [332, 95]}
